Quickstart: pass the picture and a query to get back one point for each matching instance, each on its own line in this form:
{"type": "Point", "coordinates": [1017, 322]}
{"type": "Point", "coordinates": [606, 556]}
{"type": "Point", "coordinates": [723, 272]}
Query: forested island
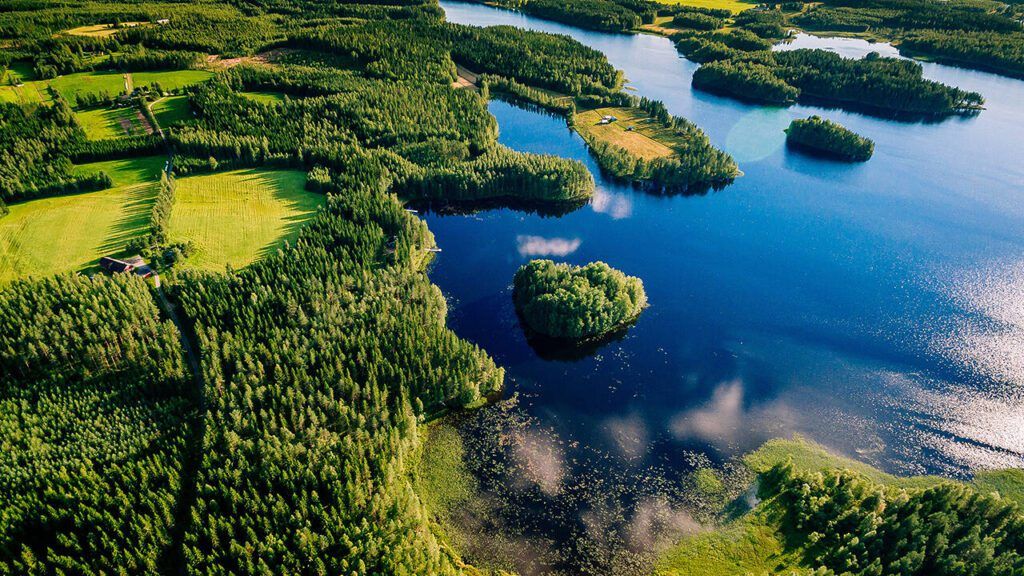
{"type": "Point", "coordinates": [263, 408]}
{"type": "Point", "coordinates": [576, 302]}
{"type": "Point", "coordinates": [829, 138]}
{"type": "Point", "coordinates": [872, 83]}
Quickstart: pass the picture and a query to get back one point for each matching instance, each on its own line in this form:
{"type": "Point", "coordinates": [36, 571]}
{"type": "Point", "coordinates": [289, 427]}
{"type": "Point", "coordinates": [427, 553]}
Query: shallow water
{"type": "Point", "coordinates": [876, 308]}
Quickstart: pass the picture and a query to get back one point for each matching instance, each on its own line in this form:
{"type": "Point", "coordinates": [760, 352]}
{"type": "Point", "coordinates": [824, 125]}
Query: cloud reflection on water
{"type": "Point", "coordinates": [530, 246]}
{"type": "Point", "coordinates": [616, 205]}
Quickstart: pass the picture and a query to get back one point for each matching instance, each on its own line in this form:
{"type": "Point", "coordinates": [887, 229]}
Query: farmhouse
{"type": "Point", "coordinates": [134, 264]}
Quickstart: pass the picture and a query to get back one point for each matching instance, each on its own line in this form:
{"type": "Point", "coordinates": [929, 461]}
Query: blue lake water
{"type": "Point", "coordinates": [875, 308]}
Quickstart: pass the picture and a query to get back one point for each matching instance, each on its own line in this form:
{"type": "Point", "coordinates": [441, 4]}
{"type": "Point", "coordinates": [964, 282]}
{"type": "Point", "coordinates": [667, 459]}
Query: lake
{"type": "Point", "coordinates": [876, 308]}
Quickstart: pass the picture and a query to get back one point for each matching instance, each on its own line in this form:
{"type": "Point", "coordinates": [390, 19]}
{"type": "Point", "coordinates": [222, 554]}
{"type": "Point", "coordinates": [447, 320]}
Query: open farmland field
{"type": "Point", "coordinates": [28, 93]}
{"type": "Point", "coordinates": [171, 80]}
{"type": "Point", "coordinates": [17, 86]}
{"type": "Point", "coordinates": [643, 140]}
{"type": "Point", "coordinates": [127, 172]}
{"type": "Point", "coordinates": [111, 123]}
{"type": "Point", "coordinates": [735, 6]}
{"type": "Point", "coordinates": [95, 31]}
{"type": "Point", "coordinates": [101, 30]}
{"type": "Point", "coordinates": [234, 218]}
{"type": "Point", "coordinates": [71, 85]}
{"type": "Point", "coordinates": [171, 109]}
{"type": "Point", "coordinates": [70, 233]}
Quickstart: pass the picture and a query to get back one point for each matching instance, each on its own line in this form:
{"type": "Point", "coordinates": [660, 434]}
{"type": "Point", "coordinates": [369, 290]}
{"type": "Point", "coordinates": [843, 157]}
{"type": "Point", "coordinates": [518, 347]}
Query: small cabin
{"type": "Point", "coordinates": [163, 21]}
{"type": "Point", "coordinates": [115, 266]}
{"type": "Point", "coordinates": [134, 265]}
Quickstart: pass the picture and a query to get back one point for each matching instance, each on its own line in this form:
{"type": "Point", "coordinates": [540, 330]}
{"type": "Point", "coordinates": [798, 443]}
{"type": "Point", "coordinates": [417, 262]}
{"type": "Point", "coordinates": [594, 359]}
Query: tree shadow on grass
{"type": "Point", "coordinates": [305, 204]}
{"type": "Point", "coordinates": [135, 218]}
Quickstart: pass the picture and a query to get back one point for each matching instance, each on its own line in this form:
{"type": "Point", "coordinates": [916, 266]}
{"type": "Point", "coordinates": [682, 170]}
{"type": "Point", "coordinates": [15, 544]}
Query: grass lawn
{"type": "Point", "coordinates": [733, 5]}
{"type": "Point", "coordinates": [266, 97]}
{"type": "Point", "coordinates": [71, 85]}
{"type": "Point", "coordinates": [239, 216]}
{"type": "Point", "coordinates": [110, 123]}
{"type": "Point", "coordinates": [645, 140]}
{"type": "Point", "coordinates": [70, 233]}
{"type": "Point", "coordinates": [172, 109]}
{"type": "Point", "coordinates": [129, 171]}
{"type": "Point", "coordinates": [171, 80]}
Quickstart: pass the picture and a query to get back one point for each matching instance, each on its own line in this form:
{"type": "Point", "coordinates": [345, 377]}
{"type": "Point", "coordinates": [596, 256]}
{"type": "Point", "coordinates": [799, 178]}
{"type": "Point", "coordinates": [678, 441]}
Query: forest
{"type": "Point", "coordinates": [827, 137]}
{"type": "Point", "coordinates": [986, 36]}
{"type": "Point", "coordinates": [884, 86]}
{"type": "Point", "coordinates": [605, 15]}
{"type": "Point", "coordinates": [852, 525]}
{"type": "Point", "coordinates": [576, 302]}
{"type": "Point", "coordinates": [266, 419]}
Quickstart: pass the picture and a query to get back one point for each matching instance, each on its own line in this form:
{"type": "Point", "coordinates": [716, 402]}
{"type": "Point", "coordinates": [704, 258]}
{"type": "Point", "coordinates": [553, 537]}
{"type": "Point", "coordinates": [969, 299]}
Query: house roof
{"type": "Point", "coordinates": [114, 266]}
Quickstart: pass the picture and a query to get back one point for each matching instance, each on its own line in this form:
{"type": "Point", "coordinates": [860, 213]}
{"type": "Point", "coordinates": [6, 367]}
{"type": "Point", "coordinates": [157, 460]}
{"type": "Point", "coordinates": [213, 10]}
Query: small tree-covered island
{"type": "Point", "coordinates": [576, 302]}
{"type": "Point", "coordinates": [829, 138]}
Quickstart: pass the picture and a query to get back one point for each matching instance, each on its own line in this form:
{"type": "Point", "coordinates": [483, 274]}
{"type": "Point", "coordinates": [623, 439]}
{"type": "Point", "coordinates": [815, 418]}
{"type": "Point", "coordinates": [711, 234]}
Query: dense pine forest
{"type": "Point", "coordinates": [563, 301]}
{"type": "Point", "coordinates": [829, 138]}
{"type": "Point", "coordinates": [268, 419]}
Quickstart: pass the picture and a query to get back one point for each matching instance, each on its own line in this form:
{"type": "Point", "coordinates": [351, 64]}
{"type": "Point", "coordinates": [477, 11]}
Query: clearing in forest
{"type": "Point", "coordinates": [171, 109]}
{"type": "Point", "coordinates": [171, 80]}
{"type": "Point", "coordinates": [113, 83]}
{"type": "Point", "coordinates": [127, 172]}
{"type": "Point", "coordinates": [70, 233]}
{"type": "Point", "coordinates": [101, 30]}
{"type": "Point", "coordinates": [71, 85]}
{"type": "Point", "coordinates": [264, 96]}
{"type": "Point", "coordinates": [631, 129]}
{"type": "Point", "coordinates": [112, 123]}
{"type": "Point", "coordinates": [234, 218]}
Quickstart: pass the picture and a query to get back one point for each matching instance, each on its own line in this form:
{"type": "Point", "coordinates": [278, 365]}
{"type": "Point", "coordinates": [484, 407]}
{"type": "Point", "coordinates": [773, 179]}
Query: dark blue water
{"type": "Point", "coordinates": [875, 308]}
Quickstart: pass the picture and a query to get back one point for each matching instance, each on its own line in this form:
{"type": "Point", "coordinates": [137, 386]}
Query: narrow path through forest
{"type": "Point", "coordinates": [173, 561]}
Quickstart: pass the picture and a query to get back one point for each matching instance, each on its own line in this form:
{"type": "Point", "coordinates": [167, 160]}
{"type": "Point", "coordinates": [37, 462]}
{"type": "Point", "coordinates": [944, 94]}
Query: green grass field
{"type": "Point", "coordinates": [70, 233]}
{"type": "Point", "coordinates": [127, 172]}
{"type": "Point", "coordinates": [110, 123]}
{"type": "Point", "coordinates": [28, 92]}
{"type": "Point", "coordinates": [265, 97]}
{"type": "Point", "coordinates": [171, 80]}
{"type": "Point", "coordinates": [95, 31]}
{"type": "Point", "coordinates": [234, 218]}
{"type": "Point", "coordinates": [733, 5]}
{"type": "Point", "coordinates": [114, 83]}
{"type": "Point", "coordinates": [71, 85]}
{"type": "Point", "coordinates": [172, 109]}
